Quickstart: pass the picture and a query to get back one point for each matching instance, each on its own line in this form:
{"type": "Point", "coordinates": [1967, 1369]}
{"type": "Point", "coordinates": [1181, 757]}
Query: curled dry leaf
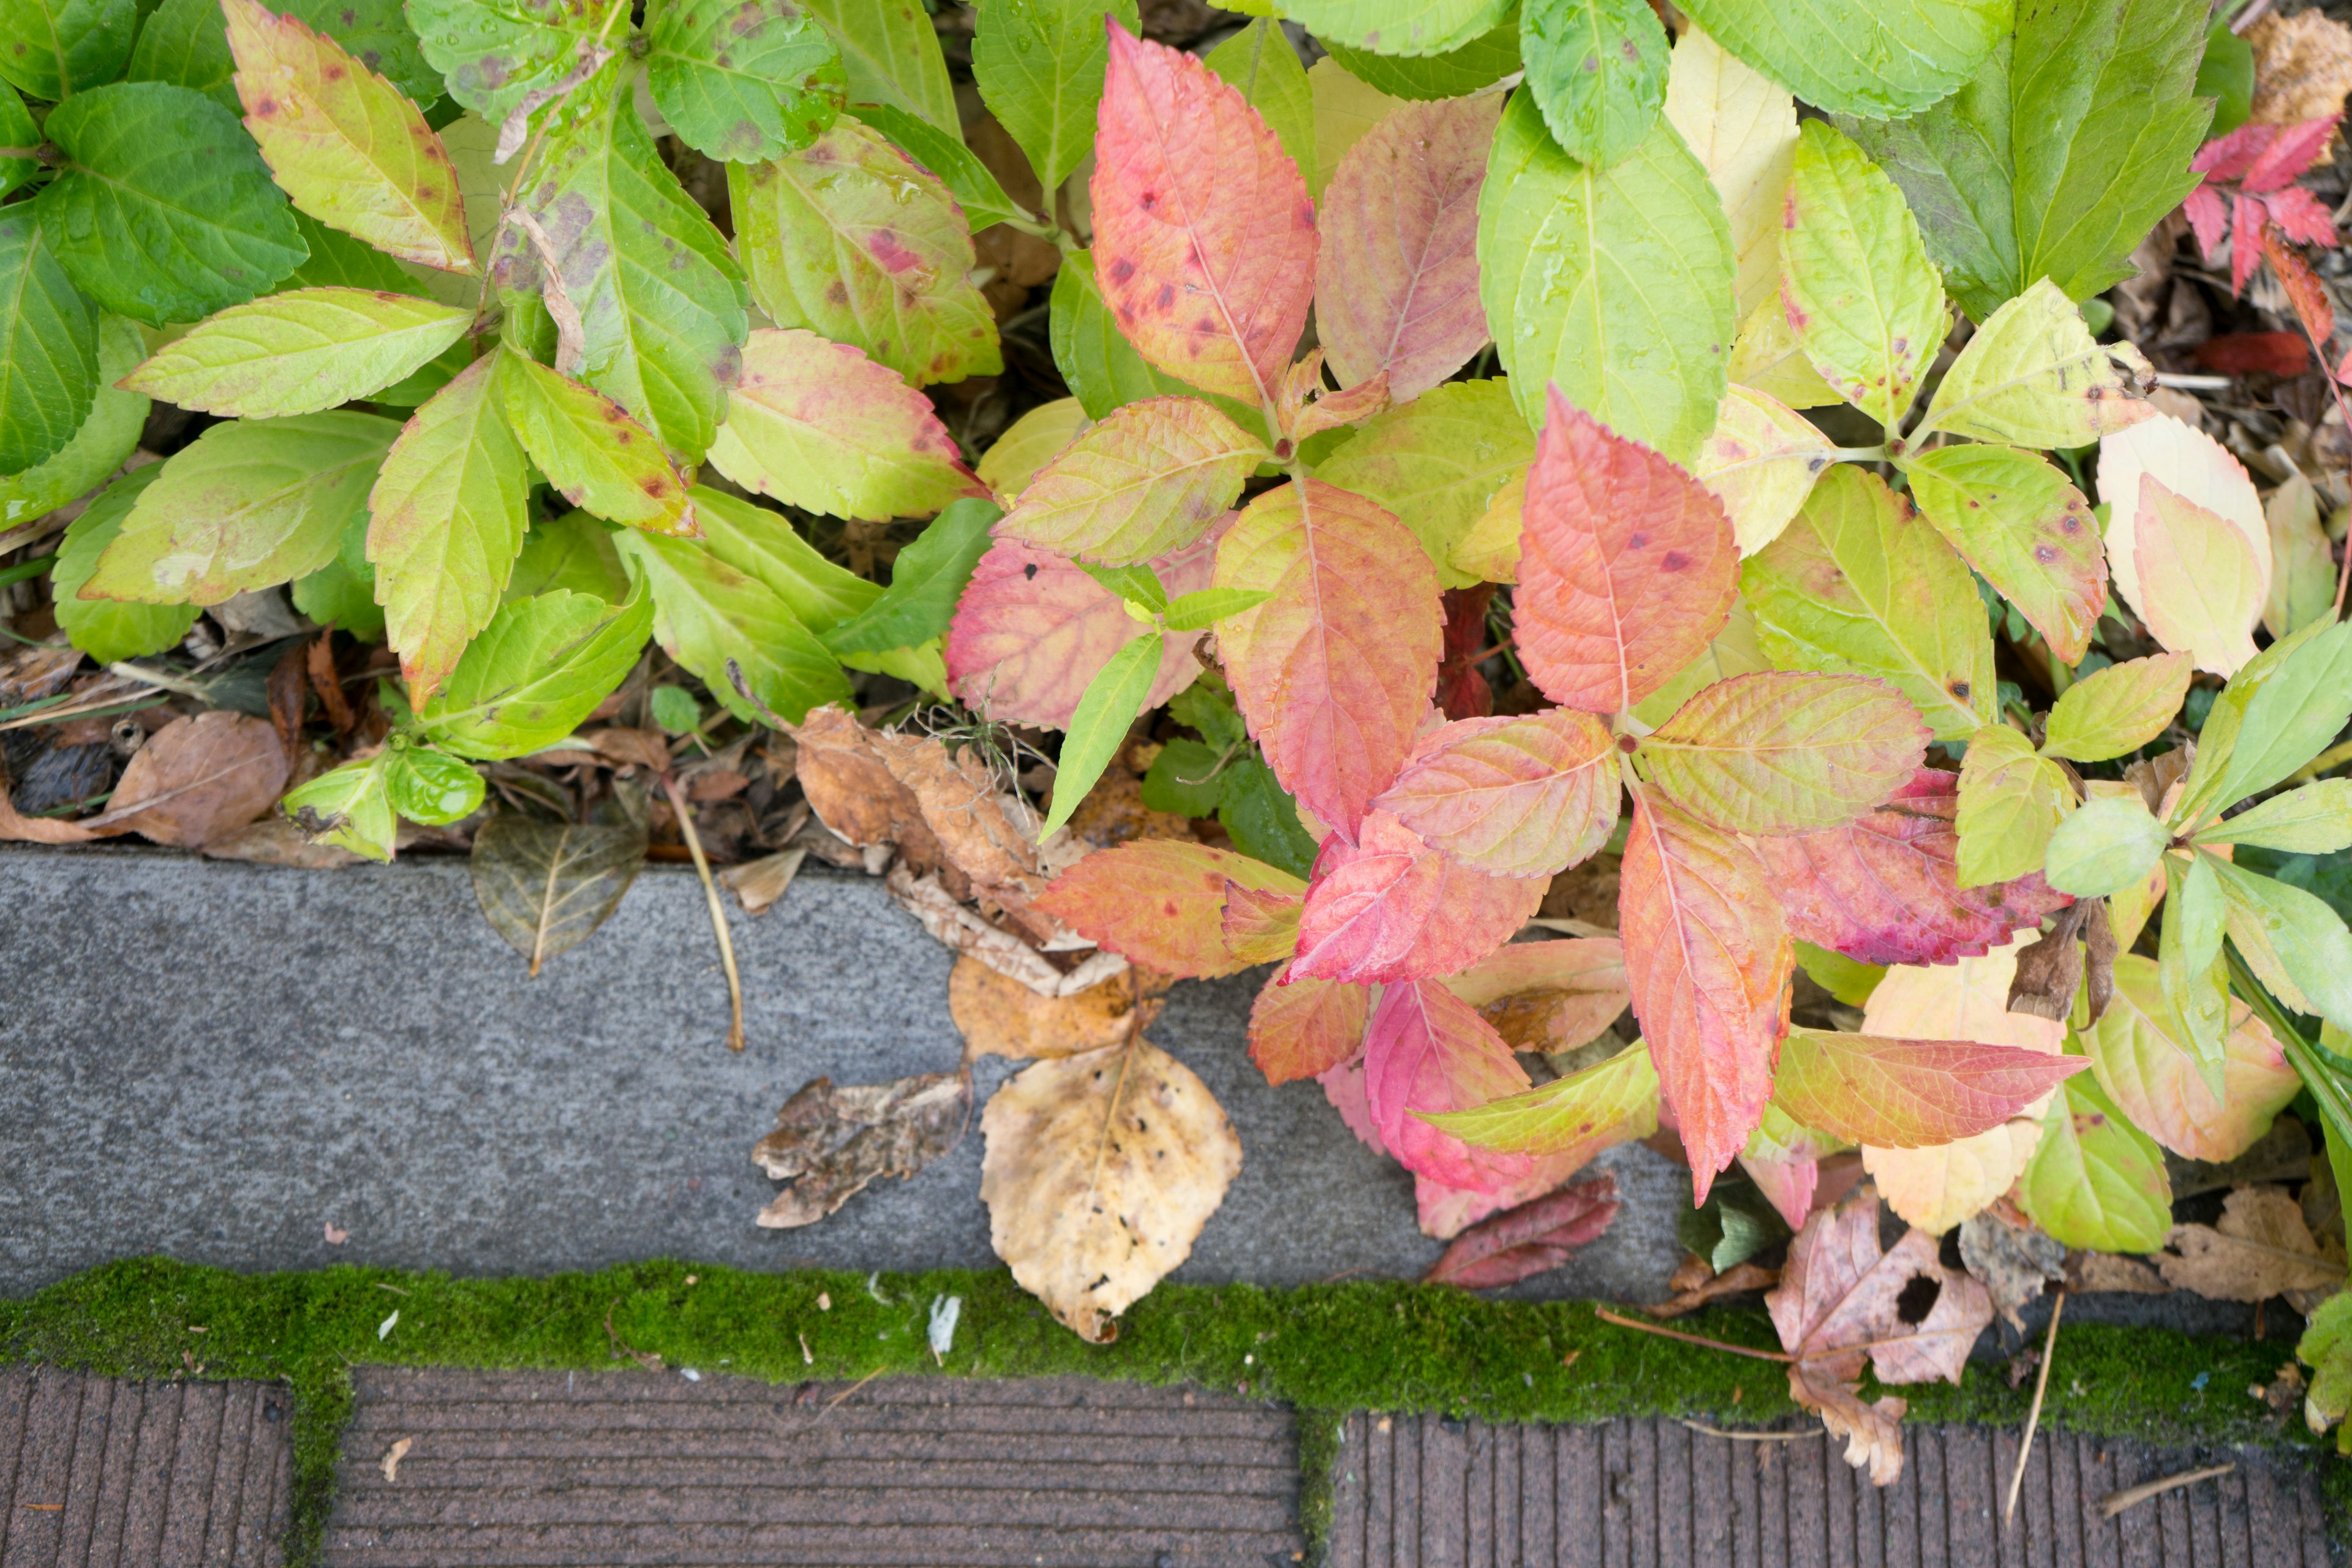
{"type": "Point", "coordinates": [196, 778]}
{"type": "Point", "coordinates": [1841, 1300]}
{"type": "Point", "coordinates": [2010, 1257]}
{"type": "Point", "coordinates": [1000, 1016]}
{"type": "Point", "coordinates": [2260, 1248]}
{"type": "Point", "coordinates": [847, 784]}
{"type": "Point", "coordinates": [1692, 1293]}
{"type": "Point", "coordinates": [957, 925]}
{"type": "Point", "coordinates": [546, 887]}
{"type": "Point", "coordinates": [835, 1140]}
{"type": "Point", "coordinates": [758, 884]}
{"type": "Point", "coordinates": [2052, 968]}
{"type": "Point", "coordinates": [2303, 66]}
{"type": "Point", "coordinates": [1100, 1171]}
{"type": "Point", "coordinates": [1531, 1240]}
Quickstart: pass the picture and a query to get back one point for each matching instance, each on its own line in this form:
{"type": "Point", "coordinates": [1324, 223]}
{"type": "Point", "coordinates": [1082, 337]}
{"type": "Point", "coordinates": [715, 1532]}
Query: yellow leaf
{"type": "Point", "coordinates": [1768, 358]}
{"type": "Point", "coordinates": [1760, 462]}
{"type": "Point", "coordinates": [1490, 551]}
{"type": "Point", "coordinates": [2303, 569]}
{"type": "Point", "coordinates": [1345, 111]}
{"type": "Point", "coordinates": [1742, 125]}
{"type": "Point", "coordinates": [1029, 444]}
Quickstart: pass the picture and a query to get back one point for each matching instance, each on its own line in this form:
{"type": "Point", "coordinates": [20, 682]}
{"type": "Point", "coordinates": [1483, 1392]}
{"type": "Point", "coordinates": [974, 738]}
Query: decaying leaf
{"type": "Point", "coordinates": [2093, 1271]}
{"type": "Point", "coordinates": [2260, 1248]}
{"type": "Point", "coordinates": [1530, 1239]}
{"type": "Point", "coordinates": [1695, 1288]}
{"type": "Point", "coordinates": [838, 1140]}
{"type": "Point", "coordinates": [1548, 997]}
{"type": "Point", "coordinates": [848, 785]}
{"type": "Point", "coordinates": [758, 884]}
{"type": "Point", "coordinates": [1101, 1169]}
{"type": "Point", "coordinates": [546, 887]}
{"type": "Point", "coordinates": [2303, 66]}
{"type": "Point", "coordinates": [963, 807]}
{"type": "Point", "coordinates": [198, 777]}
{"type": "Point", "coordinates": [1842, 1300]}
{"type": "Point", "coordinates": [2051, 969]}
{"type": "Point", "coordinates": [2010, 1259]}
{"type": "Point", "coordinates": [958, 925]}
{"type": "Point", "coordinates": [1000, 1016]}
{"type": "Point", "coordinates": [272, 841]}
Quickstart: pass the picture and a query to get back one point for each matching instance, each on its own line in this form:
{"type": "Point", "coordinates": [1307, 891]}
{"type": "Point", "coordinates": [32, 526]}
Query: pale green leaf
{"type": "Point", "coordinates": [1480, 62]}
{"type": "Point", "coordinates": [342, 592]}
{"type": "Point", "coordinates": [575, 552]}
{"type": "Point", "coordinates": [2216, 742]}
{"type": "Point", "coordinates": [50, 49]}
{"type": "Point", "coordinates": [1413, 27]}
{"type": "Point", "coordinates": [709, 614]}
{"type": "Point", "coordinates": [1096, 730]}
{"type": "Point", "coordinates": [430, 787]}
{"type": "Point", "coordinates": [1039, 64]}
{"type": "Point", "coordinates": [106, 630]}
{"type": "Point", "coordinates": [589, 447]}
{"type": "Point", "coordinates": [246, 506]}
{"type": "Point", "coordinates": [300, 352]}
{"type": "Point", "coordinates": [891, 52]}
{"type": "Point", "coordinates": [347, 807]}
{"type": "Point", "coordinates": [1874, 57]}
{"type": "Point", "coordinates": [1858, 585]}
{"type": "Point", "coordinates": [2292, 941]}
{"type": "Point", "coordinates": [2191, 978]}
{"type": "Point", "coordinates": [538, 669]}
{"type": "Point", "coordinates": [2290, 719]}
{"type": "Point", "coordinates": [2032, 535]}
{"type": "Point", "coordinates": [106, 439]}
{"type": "Point", "coordinates": [2108, 843]}
{"type": "Point", "coordinates": [1598, 70]}
{"type": "Point", "coordinates": [743, 80]}
{"type": "Point", "coordinates": [1137, 583]}
{"type": "Point", "coordinates": [2116, 709]}
{"type": "Point", "coordinates": [2033, 376]}
{"type": "Point", "coordinates": [2010, 802]}
{"type": "Point", "coordinates": [2303, 564]}
{"type": "Point", "coordinates": [1611, 1101]}
{"type": "Point", "coordinates": [764, 544]}
{"type": "Point", "coordinates": [968, 179]}
{"type": "Point", "coordinates": [1199, 611]}
{"type": "Point", "coordinates": [2095, 1180]}
{"type": "Point", "coordinates": [1259, 63]}
{"type": "Point", "coordinates": [1346, 110]}
{"type": "Point", "coordinates": [1028, 444]}
{"type": "Point", "coordinates": [185, 43]}
{"type": "Point", "coordinates": [2313, 820]}
{"type": "Point", "coordinates": [1741, 126]}
{"type": "Point", "coordinates": [1436, 463]}
{"type": "Point", "coordinates": [1100, 366]}
{"type": "Point", "coordinates": [48, 345]}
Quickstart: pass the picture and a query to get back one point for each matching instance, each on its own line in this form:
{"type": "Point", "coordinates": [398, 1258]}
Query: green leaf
{"type": "Point", "coordinates": [1139, 584]}
{"type": "Point", "coordinates": [2190, 975]}
{"type": "Point", "coordinates": [1207, 706]}
{"type": "Point", "coordinates": [1849, 980]}
{"type": "Point", "coordinates": [764, 544]}
{"type": "Point", "coordinates": [2118, 710]}
{"type": "Point", "coordinates": [1416, 28]}
{"type": "Point", "coordinates": [2313, 820]}
{"type": "Point", "coordinates": [1106, 712]}
{"type": "Point", "coordinates": [2292, 939]}
{"type": "Point", "coordinates": [50, 49]}
{"type": "Point", "coordinates": [1855, 585]}
{"type": "Point", "coordinates": [300, 351]}
{"type": "Point", "coordinates": [1867, 304]}
{"type": "Point", "coordinates": [48, 344]}
{"type": "Point", "coordinates": [17, 130]}
{"type": "Point", "coordinates": [1598, 70]}
{"type": "Point", "coordinates": [1263, 818]}
{"type": "Point", "coordinates": [2010, 800]}
{"type": "Point", "coordinates": [660, 298]}
{"type": "Point", "coordinates": [449, 508]}
{"type": "Point", "coordinates": [339, 261]}
{"type": "Point", "coordinates": [1185, 778]}
{"type": "Point", "coordinates": [2108, 843]}
{"type": "Point", "coordinates": [850, 239]}
{"type": "Point", "coordinates": [743, 80]}
{"type": "Point", "coordinates": [1259, 63]}
{"type": "Point", "coordinates": [538, 668]}
{"type": "Point", "coordinates": [1482, 61]}
{"type": "Point", "coordinates": [589, 447]}
{"type": "Point", "coordinates": [2327, 1348]}
{"type": "Point", "coordinates": [105, 440]}
{"type": "Point", "coordinates": [1618, 1092]}
{"type": "Point", "coordinates": [349, 807]}
{"type": "Point", "coordinates": [575, 552]}
{"type": "Point", "coordinates": [2057, 157]}
{"type": "Point", "coordinates": [246, 506]}
{"type": "Point", "coordinates": [1101, 367]}
{"type": "Point", "coordinates": [546, 887]}
{"type": "Point", "coordinates": [710, 612]}
{"type": "Point", "coordinates": [104, 629]}
{"type": "Point", "coordinates": [2095, 1180]}
{"type": "Point", "coordinates": [185, 43]}
{"type": "Point", "coordinates": [891, 52]}
{"type": "Point", "coordinates": [2217, 740]}
{"type": "Point", "coordinates": [342, 592]}
{"type": "Point", "coordinates": [1197, 612]}
{"type": "Point", "coordinates": [165, 211]}
{"type": "Point", "coordinates": [2291, 719]}
{"type": "Point", "coordinates": [1039, 64]}
{"type": "Point", "coordinates": [1879, 58]}
{"type": "Point", "coordinates": [431, 787]}
{"type": "Point", "coordinates": [2225, 73]}
{"type": "Point", "coordinates": [926, 581]}
{"type": "Point", "coordinates": [2014, 517]}
{"type": "Point", "coordinates": [504, 56]}
{"type": "Point", "coordinates": [958, 167]}
{"type": "Point", "coordinates": [1435, 462]}
{"type": "Point", "coordinates": [1615, 283]}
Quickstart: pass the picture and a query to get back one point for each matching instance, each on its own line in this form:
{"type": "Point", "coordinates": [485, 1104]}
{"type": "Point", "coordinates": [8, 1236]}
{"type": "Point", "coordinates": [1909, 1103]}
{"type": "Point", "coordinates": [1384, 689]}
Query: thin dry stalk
{"type": "Point", "coordinates": [717, 910]}
{"type": "Point", "coordinates": [2114, 1503]}
{"type": "Point", "coordinates": [2034, 1416]}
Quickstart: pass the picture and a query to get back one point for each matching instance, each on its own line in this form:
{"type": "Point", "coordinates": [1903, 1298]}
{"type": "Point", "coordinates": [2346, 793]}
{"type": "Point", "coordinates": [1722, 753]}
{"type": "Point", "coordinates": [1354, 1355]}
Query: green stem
{"type": "Point", "coordinates": [25, 571]}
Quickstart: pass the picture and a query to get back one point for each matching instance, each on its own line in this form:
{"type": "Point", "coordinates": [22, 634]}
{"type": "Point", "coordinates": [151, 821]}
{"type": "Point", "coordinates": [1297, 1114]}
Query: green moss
{"type": "Point", "coordinates": [1325, 1349]}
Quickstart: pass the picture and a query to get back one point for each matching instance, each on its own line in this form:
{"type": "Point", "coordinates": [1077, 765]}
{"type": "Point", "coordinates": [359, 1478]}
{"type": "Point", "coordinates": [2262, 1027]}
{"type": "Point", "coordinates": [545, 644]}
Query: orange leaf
{"type": "Point", "coordinates": [1708, 961]}
{"type": "Point", "coordinates": [1627, 566]}
{"type": "Point", "coordinates": [1261, 924]}
{"type": "Point", "coordinates": [1159, 903]}
{"type": "Point", "coordinates": [1204, 237]}
{"type": "Point", "coordinates": [1909, 1094]}
{"type": "Point", "coordinates": [1394, 909]}
{"type": "Point", "coordinates": [1514, 798]}
{"type": "Point", "coordinates": [1427, 1051]}
{"type": "Point", "coordinates": [1304, 1028]}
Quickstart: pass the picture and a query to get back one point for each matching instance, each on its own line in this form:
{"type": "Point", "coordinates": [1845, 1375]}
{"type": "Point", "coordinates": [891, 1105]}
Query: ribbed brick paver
{"type": "Point", "coordinates": [1419, 1492]}
{"type": "Point", "coordinates": [97, 1473]}
{"type": "Point", "coordinates": [629, 1468]}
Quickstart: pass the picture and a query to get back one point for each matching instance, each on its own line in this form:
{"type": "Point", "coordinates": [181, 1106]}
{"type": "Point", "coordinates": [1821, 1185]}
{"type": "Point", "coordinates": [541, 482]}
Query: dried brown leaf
{"type": "Point", "coordinates": [626, 748]}
{"type": "Point", "coordinates": [2052, 968]}
{"type": "Point", "coordinates": [963, 807]}
{"type": "Point", "coordinates": [196, 779]}
{"type": "Point", "coordinates": [1000, 1016]}
{"type": "Point", "coordinates": [2260, 1248]}
{"type": "Point", "coordinates": [321, 657]}
{"type": "Point", "coordinates": [289, 696]}
{"type": "Point", "coordinates": [2087, 1272]}
{"type": "Point", "coordinates": [758, 884]}
{"type": "Point", "coordinates": [1533, 1239]}
{"type": "Point", "coordinates": [846, 785]}
{"type": "Point", "coordinates": [1737, 1280]}
{"type": "Point", "coordinates": [274, 841]}
{"type": "Point", "coordinates": [2303, 66]}
{"type": "Point", "coordinates": [959, 926]}
{"type": "Point", "coordinates": [29, 674]}
{"type": "Point", "coordinates": [835, 1140]}
{"type": "Point", "coordinates": [2011, 1258]}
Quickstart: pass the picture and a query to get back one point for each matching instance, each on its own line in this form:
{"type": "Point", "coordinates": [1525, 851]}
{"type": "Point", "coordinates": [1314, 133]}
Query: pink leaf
{"type": "Point", "coordinates": [1445, 1213]}
{"type": "Point", "coordinates": [1396, 276]}
{"type": "Point", "coordinates": [2209, 216]}
{"type": "Point", "coordinates": [2245, 242]}
{"type": "Point", "coordinates": [1910, 1094]}
{"type": "Point", "coordinates": [1883, 888]}
{"type": "Point", "coordinates": [1343, 1086]}
{"type": "Point", "coordinates": [2302, 216]}
{"type": "Point", "coordinates": [1789, 1184]}
{"type": "Point", "coordinates": [2229, 157]}
{"type": "Point", "coordinates": [1394, 909]}
{"type": "Point", "coordinates": [1513, 797]}
{"type": "Point", "coordinates": [1708, 961]}
{"type": "Point", "coordinates": [2294, 150]}
{"type": "Point", "coordinates": [1204, 237]}
{"type": "Point", "coordinates": [1627, 565]}
{"type": "Point", "coordinates": [1304, 1028]}
{"type": "Point", "coordinates": [1159, 903]}
{"type": "Point", "coordinates": [1334, 672]}
{"type": "Point", "coordinates": [1528, 1239]}
{"type": "Point", "coordinates": [1031, 630]}
{"type": "Point", "coordinates": [1427, 1051]}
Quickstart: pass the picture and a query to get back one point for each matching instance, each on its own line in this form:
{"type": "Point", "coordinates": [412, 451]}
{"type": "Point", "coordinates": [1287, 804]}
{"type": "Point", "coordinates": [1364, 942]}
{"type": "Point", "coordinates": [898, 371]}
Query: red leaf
{"type": "Point", "coordinates": [1530, 1239]}
{"type": "Point", "coordinates": [1883, 888]}
{"type": "Point", "coordinates": [2294, 149]}
{"type": "Point", "coordinates": [2246, 221]}
{"type": "Point", "coordinates": [2229, 157]}
{"type": "Point", "coordinates": [1394, 909]}
{"type": "Point", "coordinates": [1204, 237]}
{"type": "Point", "coordinates": [1708, 961]}
{"type": "Point", "coordinates": [1462, 691]}
{"type": "Point", "coordinates": [2209, 216]}
{"type": "Point", "coordinates": [1512, 797]}
{"type": "Point", "coordinates": [1910, 1094]}
{"type": "Point", "coordinates": [1304, 1028]}
{"type": "Point", "coordinates": [1159, 903]}
{"type": "Point", "coordinates": [1427, 1050]}
{"type": "Point", "coordinates": [1031, 630]}
{"type": "Point", "coordinates": [1334, 672]}
{"type": "Point", "coordinates": [1396, 285]}
{"type": "Point", "coordinates": [1627, 565]}
{"type": "Point", "coordinates": [2235, 353]}
{"type": "Point", "coordinates": [2302, 216]}
{"type": "Point", "coordinates": [2308, 294]}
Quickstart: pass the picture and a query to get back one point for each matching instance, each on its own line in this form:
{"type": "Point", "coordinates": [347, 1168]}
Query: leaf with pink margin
{"type": "Point", "coordinates": [1159, 903]}
{"type": "Point", "coordinates": [1334, 672]}
{"type": "Point", "coordinates": [2194, 466]}
{"type": "Point", "coordinates": [1760, 461]}
{"type": "Point", "coordinates": [1909, 1094]}
{"type": "Point", "coordinates": [2202, 588]}
{"type": "Point", "coordinates": [1146, 479]}
{"type": "Point", "coordinates": [1033, 630]}
{"type": "Point", "coordinates": [1885, 889]}
{"type": "Point", "coordinates": [1525, 796]}
{"type": "Point", "coordinates": [1427, 1051]}
{"type": "Point", "coordinates": [1784, 752]}
{"type": "Point", "coordinates": [1396, 273]}
{"type": "Point", "coordinates": [2145, 1064]}
{"type": "Point", "coordinates": [1203, 234]}
{"type": "Point", "coordinates": [1627, 565]}
{"type": "Point", "coordinates": [1788, 1185]}
{"type": "Point", "coordinates": [1708, 961]}
{"type": "Point", "coordinates": [1305, 1028]}
{"type": "Point", "coordinates": [1391, 908]}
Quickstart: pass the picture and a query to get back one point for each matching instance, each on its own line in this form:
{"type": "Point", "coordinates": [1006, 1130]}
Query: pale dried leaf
{"type": "Point", "coordinates": [2011, 1258]}
{"type": "Point", "coordinates": [2303, 66]}
{"type": "Point", "coordinates": [832, 1142]}
{"type": "Point", "coordinates": [758, 884]}
{"type": "Point", "coordinates": [1737, 1280]}
{"type": "Point", "coordinates": [2260, 1248]}
{"type": "Point", "coordinates": [964, 929]}
{"type": "Point", "coordinates": [2095, 1271]}
{"type": "Point", "coordinates": [545, 888]}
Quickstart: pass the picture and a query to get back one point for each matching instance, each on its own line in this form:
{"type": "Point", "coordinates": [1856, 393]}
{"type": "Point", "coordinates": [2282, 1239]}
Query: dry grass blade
{"type": "Point", "coordinates": [1606, 1316]}
{"type": "Point", "coordinates": [1703, 1429]}
{"type": "Point", "coordinates": [2033, 1416]}
{"type": "Point", "coordinates": [2114, 1503]}
{"type": "Point", "coordinates": [717, 910]}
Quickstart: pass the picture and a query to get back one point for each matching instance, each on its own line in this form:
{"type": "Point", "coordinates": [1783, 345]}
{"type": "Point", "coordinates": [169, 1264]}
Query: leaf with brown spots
{"type": "Point", "coordinates": [603, 461]}
{"type": "Point", "coordinates": [2028, 532]}
{"type": "Point", "coordinates": [740, 80]}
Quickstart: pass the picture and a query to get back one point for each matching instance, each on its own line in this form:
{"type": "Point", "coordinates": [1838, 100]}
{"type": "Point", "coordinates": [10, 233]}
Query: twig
{"type": "Point", "coordinates": [717, 910]}
{"type": "Point", "coordinates": [1607, 1316]}
{"type": "Point", "coordinates": [1752, 1436]}
{"type": "Point", "coordinates": [2034, 1416]}
{"type": "Point", "coordinates": [2114, 1503]}
{"type": "Point", "coordinates": [847, 1392]}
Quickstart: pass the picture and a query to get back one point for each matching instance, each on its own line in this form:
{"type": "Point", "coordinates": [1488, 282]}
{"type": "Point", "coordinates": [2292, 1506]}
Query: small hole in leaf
{"type": "Point", "coordinates": [1918, 1298]}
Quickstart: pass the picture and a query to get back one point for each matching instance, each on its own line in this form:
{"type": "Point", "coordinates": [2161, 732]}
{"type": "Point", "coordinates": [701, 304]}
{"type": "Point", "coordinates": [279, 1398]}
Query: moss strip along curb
{"type": "Point", "coordinates": [1325, 1349]}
